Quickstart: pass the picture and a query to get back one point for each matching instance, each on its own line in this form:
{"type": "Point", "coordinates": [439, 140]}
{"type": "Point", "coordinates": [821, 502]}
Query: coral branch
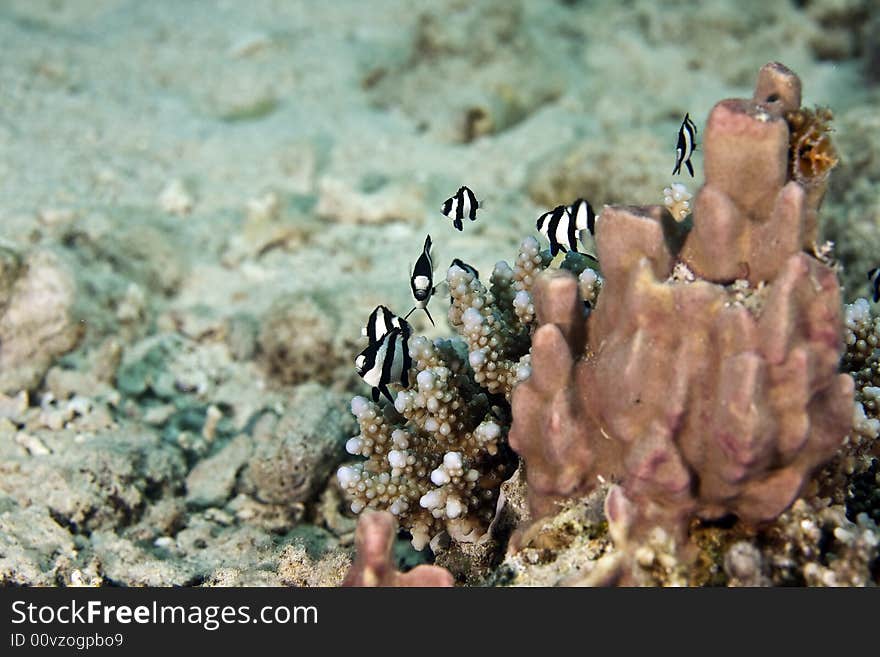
{"type": "Point", "coordinates": [374, 539]}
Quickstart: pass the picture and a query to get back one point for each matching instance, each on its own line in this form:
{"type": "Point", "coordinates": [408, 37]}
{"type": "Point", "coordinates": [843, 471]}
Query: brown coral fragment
{"type": "Point", "coordinates": [374, 539]}
{"type": "Point", "coordinates": [694, 401]}
{"type": "Point", "coordinates": [812, 154]}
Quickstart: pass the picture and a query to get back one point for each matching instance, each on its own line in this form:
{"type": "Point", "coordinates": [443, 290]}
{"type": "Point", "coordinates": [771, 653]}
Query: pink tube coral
{"type": "Point", "coordinates": [705, 381]}
{"type": "Point", "coordinates": [374, 540]}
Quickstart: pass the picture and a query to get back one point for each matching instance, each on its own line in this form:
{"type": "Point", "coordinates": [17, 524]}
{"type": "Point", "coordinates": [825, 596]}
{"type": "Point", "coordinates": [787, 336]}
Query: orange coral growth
{"type": "Point", "coordinates": [811, 153]}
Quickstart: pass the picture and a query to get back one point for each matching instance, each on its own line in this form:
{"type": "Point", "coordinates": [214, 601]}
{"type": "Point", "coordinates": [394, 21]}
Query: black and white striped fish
{"type": "Point", "coordinates": [422, 281]}
{"type": "Point", "coordinates": [687, 144]}
{"type": "Point", "coordinates": [386, 362]}
{"type": "Point", "coordinates": [465, 266]}
{"type": "Point", "coordinates": [562, 225]}
{"type": "Point", "coordinates": [874, 277]}
{"type": "Point", "coordinates": [463, 204]}
{"type": "Point", "coordinates": [381, 321]}
{"type": "Point", "coordinates": [461, 264]}
{"type": "Point", "coordinates": [583, 214]}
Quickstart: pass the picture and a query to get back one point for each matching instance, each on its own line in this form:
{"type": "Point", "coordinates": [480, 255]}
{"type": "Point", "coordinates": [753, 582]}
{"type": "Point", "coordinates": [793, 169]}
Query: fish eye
{"type": "Point", "coordinates": [421, 295]}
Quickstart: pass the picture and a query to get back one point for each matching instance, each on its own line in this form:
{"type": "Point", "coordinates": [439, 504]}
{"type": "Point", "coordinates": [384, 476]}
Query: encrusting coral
{"type": "Point", "coordinates": [696, 402]}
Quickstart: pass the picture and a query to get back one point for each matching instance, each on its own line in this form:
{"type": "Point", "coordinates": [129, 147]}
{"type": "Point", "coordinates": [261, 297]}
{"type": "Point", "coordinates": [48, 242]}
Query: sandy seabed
{"type": "Point", "coordinates": [201, 202]}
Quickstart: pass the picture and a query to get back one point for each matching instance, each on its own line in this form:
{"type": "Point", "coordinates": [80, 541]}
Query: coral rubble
{"type": "Point", "coordinates": [36, 317]}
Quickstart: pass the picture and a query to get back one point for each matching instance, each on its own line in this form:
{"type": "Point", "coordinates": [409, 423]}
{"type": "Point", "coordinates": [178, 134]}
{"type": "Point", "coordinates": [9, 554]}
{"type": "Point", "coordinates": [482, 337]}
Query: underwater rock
{"type": "Point", "coordinates": [145, 367]}
{"type": "Point", "coordinates": [125, 264]}
{"type": "Point", "coordinates": [34, 549]}
{"type": "Point", "coordinates": [241, 334]}
{"type": "Point", "coordinates": [100, 482]}
{"type": "Point", "coordinates": [299, 340]}
{"type": "Point", "coordinates": [297, 568]}
{"type": "Point", "coordinates": [194, 390]}
{"type": "Point", "coordinates": [212, 481]}
{"type": "Point", "coordinates": [37, 323]}
{"type": "Point", "coordinates": [124, 563]}
{"type": "Point", "coordinates": [293, 459]}
{"type": "Point", "coordinates": [92, 375]}
{"type": "Point", "coordinates": [175, 198]}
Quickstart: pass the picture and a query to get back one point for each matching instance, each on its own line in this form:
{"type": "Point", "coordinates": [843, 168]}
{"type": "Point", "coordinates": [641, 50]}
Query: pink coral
{"type": "Point", "coordinates": [374, 539]}
{"type": "Point", "coordinates": [698, 394]}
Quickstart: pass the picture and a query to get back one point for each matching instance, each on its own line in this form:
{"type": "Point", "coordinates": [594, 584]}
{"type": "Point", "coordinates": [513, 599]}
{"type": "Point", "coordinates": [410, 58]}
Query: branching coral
{"type": "Point", "coordinates": [434, 459]}
{"type": "Point", "coordinates": [437, 458]}
{"type": "Point", "coordinates": [677, 200]}
{"type": "Point", "coordinates": [820, 547]}
{"type": "Point", "coordinates": [862, 358]}
{"type": "Point", "coordinates": [697, 403]}
{"type": "Point", "coordinates": [853, 473]}
{"type": "Point", "coordinates": [496, 322]}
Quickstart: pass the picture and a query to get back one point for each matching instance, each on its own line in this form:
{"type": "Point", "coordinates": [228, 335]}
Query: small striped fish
{"type": "Point", "coordinates": [465, 266]}
{"type": "Point", "coordinates": [686, 146]}
{"type": "Point", "coordinates": [422, 281]}
{"type": "Point", "coordinates": [562, 225]}
{"type": "Point", "coordinates": [386, 362]}
{"type": "Point", "coordinates": [463, 204]}
{"type": "Point", "coordinates": [874, 277]}
{"type": "Point", "coordinates": [380, 322]}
